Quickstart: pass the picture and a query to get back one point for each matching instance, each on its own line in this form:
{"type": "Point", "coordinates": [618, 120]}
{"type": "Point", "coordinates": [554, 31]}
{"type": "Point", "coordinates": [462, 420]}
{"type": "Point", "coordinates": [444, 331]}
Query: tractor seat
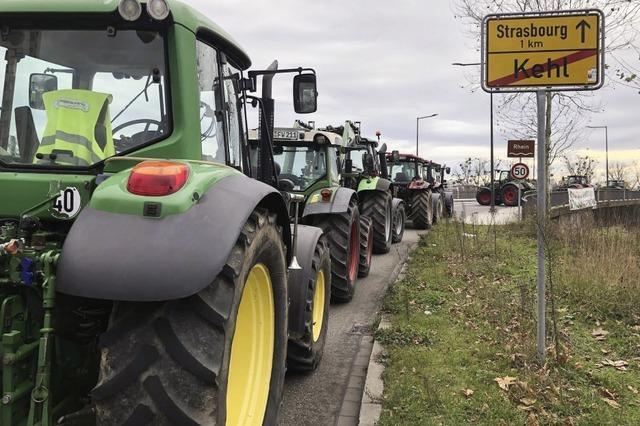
{"type": "Point", "coordinates": [401, 177]}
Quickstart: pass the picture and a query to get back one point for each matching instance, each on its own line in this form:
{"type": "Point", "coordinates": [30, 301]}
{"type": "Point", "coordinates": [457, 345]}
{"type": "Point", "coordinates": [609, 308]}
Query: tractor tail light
{"type": "Point", "coordinates": [157, 178]}
{"type": "Point", "coordinates": [326, 195]}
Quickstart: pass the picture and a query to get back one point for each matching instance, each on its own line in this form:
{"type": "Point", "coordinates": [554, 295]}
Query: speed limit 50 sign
{"type": "Point", "coordinates": [520, 171]}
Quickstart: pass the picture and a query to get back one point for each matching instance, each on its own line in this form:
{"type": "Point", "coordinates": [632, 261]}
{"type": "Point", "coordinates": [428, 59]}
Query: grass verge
{"type": "Point", "coordinates": [461, 346]}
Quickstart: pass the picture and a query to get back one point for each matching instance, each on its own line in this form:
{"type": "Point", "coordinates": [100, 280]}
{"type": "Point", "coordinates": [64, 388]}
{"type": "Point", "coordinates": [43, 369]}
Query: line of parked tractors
{"type": "Point", "coordinates": [169, 265]}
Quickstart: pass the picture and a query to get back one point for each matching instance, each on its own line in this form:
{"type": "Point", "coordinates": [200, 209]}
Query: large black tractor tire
{"type": "Point", "coordinates": [510, 195]}
{"type": "Point", "coordinates": [422, 210]}
{"type": "Point", "coordinates": [378, 206]}
{"type": "Point", "coordinates": [438, 208]}
{"type": "Point", "coordinates": [172, 363]}
{"type": "Point", "coordinates": [483, 196]}
{"type": "Point", "coordinates": [305, 353]}
{"type": "Point", "coordinates": [366, 246]}
{"type": "Point", "coordinates": [399, 222]}
{"type": "Point", "coordinates": [343, 234]}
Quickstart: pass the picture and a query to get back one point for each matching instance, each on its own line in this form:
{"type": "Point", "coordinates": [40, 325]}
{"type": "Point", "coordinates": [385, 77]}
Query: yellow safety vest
{"type": "Point", "coordinates": [78, 127]}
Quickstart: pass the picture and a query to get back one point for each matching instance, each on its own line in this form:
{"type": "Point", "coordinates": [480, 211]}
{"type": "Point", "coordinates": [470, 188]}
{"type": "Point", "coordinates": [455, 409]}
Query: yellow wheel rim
{"type": "Point", "coordinates": [252, 352]}
{"type": "Point", "coordinates": [318, 306]}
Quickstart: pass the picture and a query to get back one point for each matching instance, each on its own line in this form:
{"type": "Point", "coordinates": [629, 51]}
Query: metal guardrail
{"type": "Point", "coordinates": [559, 200]}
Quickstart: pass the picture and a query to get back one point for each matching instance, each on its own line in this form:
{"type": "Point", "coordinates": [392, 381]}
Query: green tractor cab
{"type": "Point", "coordinates": [365, 171]}
{"type": "Point", "coordinates": [149, 269]}
{"type": "Point", "coordinates": [410, 183]}
{"type": "Point", "coordinates": [307, 162]}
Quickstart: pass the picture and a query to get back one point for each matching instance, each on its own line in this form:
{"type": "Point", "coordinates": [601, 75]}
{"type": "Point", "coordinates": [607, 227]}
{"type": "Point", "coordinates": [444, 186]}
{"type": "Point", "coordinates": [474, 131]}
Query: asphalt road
{"type": "Point", "coordinates": [315, 399]}
{"type": "Point", "coordinates": [470, 211]}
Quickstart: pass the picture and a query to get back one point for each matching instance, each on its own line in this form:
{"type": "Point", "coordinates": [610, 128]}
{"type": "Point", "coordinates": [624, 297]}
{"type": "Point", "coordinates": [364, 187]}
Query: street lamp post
{"type": "Point", "coordinates": [606, 147]}
{"type": "Point", "coordinates": [492, 209]}
{"type": "Point", "coordinates": [418, 129]}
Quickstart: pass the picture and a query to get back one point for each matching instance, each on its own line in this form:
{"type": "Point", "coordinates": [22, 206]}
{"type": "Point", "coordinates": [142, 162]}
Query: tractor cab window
{"type": "Point", "coordinates": [403, 171]}
{"type": "Point", "coordinates": [357, 158]}
{"type": "Point", "coordinates": [211, 127]}
{"type": "Point", "coordinates": [302, 165]}
{"type": "Point", "coordinates": [232, 108]}
{"type": "Point", "coordinates": [76, 97]}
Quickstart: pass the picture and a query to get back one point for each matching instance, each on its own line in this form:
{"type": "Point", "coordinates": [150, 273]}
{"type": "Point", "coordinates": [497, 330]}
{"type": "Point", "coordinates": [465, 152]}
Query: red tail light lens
{"type": "Point", "coordinates": [417, 184]}
{"type": "Point", "coordinates": [157, 178]}
{"type": "Point", "coordinates": [326, 195]}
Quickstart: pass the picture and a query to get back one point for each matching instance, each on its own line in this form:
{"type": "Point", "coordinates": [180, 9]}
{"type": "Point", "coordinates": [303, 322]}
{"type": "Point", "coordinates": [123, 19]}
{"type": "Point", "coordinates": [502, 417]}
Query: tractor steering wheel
{"type": "Point", "coordinates": [127, 142]}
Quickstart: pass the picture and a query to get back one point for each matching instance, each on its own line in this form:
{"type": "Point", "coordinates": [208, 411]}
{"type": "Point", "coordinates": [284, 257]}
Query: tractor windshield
{"type": "Point", "coordinates": [302, 165]}
{"type": "Point", "coordinates": [76, 97]}
{"type": "Point", "coordinates": [403, 171]}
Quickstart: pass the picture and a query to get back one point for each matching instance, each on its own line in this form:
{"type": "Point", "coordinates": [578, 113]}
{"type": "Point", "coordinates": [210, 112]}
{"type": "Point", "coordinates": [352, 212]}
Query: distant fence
{"type": "Point", "coordinates": [462, 192]}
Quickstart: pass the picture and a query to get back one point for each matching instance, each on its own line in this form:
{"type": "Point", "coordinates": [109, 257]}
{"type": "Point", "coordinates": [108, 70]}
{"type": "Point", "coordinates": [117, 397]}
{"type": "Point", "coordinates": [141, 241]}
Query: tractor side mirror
{"type": "Point", "coordinates": [39, 84]}
{"type": "Point", "coordinates": [348, 166]}
{"type": "Point", "coordinates": [305, 93]}
{"type": "Point", "coordinates": [384, 169]}
{"type": "Point", "coordinates": [367, 162]}
{"type": "Point", "coordinates": [448, 170]}
{"type": "Point", "coordinates": [395, 156]}
{"type": "Point", "coordinates": [383, 149]}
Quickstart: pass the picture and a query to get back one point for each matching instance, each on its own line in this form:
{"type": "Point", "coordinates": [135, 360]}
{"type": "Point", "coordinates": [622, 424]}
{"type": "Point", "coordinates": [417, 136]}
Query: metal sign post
{"type": "Point", "coordinates": [540, 52]}
{"type": "Point", "coordinates": [542, 219]}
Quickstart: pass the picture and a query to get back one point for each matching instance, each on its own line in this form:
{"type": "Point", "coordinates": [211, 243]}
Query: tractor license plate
{"type": "Point", "coordinates": [286, 134]}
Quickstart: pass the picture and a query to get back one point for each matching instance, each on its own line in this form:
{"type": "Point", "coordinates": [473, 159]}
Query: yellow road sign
{"type": "Point", "coordinates": [528, 52]}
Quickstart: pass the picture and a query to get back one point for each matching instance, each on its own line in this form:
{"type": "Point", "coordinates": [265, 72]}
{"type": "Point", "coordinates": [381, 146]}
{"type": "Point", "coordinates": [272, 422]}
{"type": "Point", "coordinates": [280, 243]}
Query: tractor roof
{"type": "Point", "coordinates": [180, 12]}
{"type": "Point", "coordinates": [409, 157]}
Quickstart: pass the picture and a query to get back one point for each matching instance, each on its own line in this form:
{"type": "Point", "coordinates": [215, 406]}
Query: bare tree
{"type": "Point", "coordinates": [618, 171]}
{"type": "Point", "coordinates": [634, 172]}
{"type": "Point", "coordinates": [582, 165]}
{"type": "Point", "coordinates": [566, 113]}
{"type": "Point", "coordinates": [472, 171]}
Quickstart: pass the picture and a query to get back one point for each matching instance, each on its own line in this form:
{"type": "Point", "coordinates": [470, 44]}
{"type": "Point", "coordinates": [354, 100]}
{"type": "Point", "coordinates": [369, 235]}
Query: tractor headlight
{"type": "Point", "coordinates": [130, 10]}
{"type": "Point", "coordinates": [158, 9]}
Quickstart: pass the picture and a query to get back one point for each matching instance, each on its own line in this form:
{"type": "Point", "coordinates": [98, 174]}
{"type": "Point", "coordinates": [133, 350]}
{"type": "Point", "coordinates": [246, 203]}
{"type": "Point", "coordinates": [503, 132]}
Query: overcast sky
{"type": "Point", "coordinates": [385, 63]}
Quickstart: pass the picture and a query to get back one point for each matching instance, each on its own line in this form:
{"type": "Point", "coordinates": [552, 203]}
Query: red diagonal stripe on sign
{"type": "Point", "coordinates": [574, 57]}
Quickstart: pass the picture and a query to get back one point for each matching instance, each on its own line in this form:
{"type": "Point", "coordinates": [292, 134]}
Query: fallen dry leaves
{"type": "Point", "coordinates": [505, 382]}
{"type": "Point", "coordinates": [467, 392]}
{"type": "Point", "coordinates": [599, 333]}
{"type": "Point", "coordinates": [612, 402]}
{"type": "Point", "coordinates": [620, 365]}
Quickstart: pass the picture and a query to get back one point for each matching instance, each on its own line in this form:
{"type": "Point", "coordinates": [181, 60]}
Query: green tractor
{"type": "Point", "coordinates": [410, 183]}
{"type": "Point", "coordinates": [365, 171]}
{"type": "Point", "coordinates": [507, 190]}
{"type": "Point", "coordinates": [149, 270]}
{"type": "Point", "coordinates": [307, 162]}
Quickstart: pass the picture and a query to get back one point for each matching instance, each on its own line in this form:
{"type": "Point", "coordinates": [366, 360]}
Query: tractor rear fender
{"type": "Point", "coordinates": [374, 184]}
{"type": "Point", "coordinates": [127, 257]}
{"type": "Point", "coordinates": [339, 202]}
{"type": "Point", "coordinates": [299, 279]}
